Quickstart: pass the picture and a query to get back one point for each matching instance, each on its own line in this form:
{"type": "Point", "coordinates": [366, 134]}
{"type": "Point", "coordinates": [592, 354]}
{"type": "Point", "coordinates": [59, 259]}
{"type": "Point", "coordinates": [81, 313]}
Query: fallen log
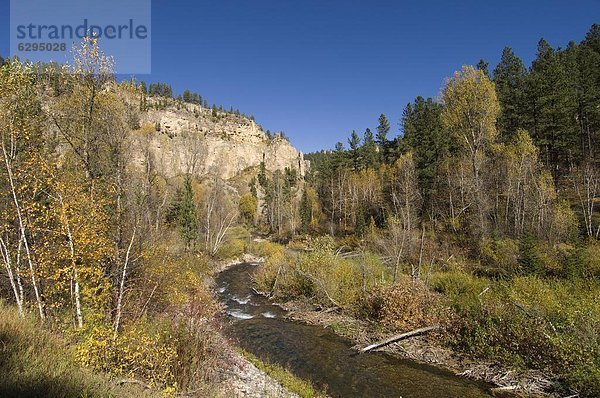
{"type": "Point", "coordinates": [398, 337]}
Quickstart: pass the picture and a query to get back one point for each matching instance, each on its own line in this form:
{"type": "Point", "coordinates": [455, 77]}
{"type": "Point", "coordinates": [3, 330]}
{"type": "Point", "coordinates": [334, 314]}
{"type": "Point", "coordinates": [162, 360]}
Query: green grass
{"type": "Point", "coordinates": [37, 363]}
{"type": "Point", "coordinates": [292, 383]}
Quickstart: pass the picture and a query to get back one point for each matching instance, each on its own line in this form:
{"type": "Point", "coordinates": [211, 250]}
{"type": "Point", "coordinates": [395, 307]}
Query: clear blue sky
{"type": "Point", "coordinates": [317, 69]}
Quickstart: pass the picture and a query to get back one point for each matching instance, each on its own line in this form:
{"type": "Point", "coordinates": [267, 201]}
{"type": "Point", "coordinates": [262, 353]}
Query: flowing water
{"type": "Point", "coordinates": [317, 354]}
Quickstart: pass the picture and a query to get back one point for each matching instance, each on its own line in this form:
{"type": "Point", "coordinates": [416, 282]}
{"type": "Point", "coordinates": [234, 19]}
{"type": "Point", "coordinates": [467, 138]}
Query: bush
{"type": "Point", "coordinates": [500, 256]}
{"type": "Point", "coordinates": [266, 249]}
{"type": "Point", "coordinates": [405, 305]}
{"type": "Point", "coordinates": [319, 275]}
{"type": "Point", "coordinates": [268, 272]}
{"type": "Point", "coordinates": [232, 248]}
{"type": "Point", "coordinates": [170, 279]}
{"type": "Point", "coordinates": [170, 355]}
{"type": "Point", "coordinates": [345, 281]}
{"type": "Point", "coordinates": [584, 261]}
{"type": "Point", "coordinates": [136, 352]}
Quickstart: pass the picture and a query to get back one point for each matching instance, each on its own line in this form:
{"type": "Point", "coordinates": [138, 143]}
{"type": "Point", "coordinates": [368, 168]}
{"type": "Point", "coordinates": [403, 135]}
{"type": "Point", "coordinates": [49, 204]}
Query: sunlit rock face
{"type": "Point", "coordinates": [189, 138]}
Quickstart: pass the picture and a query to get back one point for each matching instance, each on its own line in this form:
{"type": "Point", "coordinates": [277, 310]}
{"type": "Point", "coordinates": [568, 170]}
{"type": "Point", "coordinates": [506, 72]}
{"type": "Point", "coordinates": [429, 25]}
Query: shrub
{"type": "Point", "coordinates": [530, 256]}
{"type": "Point", "coordinates": [137, 352]}
{"type": "Point", "coordinates": [528, 322]}
{"type": "Point", "coordinates": [268, 272]}
{"type": "Point", "coordinates": [500, 256]}
{"type": "Point", "coordinates": [327, 277]}
{"type": "Point", "coordinates": [266, 249]}
{"type": "Point", "coordinates": [170, 355]}
{"type": "Point", "coordinates": [170, 279]}
{"type": "Point", "coordinates": [584, 261]}
{"type": "Point", "coordinates": [405, 305]}
{"type": "Point", "coordinates": [231, 249]}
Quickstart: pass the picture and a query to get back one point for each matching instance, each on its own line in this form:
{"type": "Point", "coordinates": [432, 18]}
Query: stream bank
{"type": "Point", "coordinates": [318, 354]}
{"type": "Point", "coordinates": [422, 349]}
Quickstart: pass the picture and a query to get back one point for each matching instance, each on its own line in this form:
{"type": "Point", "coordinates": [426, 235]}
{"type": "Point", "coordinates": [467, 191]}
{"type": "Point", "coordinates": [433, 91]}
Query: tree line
{"type": "Point", "coordinates": [509, 153]}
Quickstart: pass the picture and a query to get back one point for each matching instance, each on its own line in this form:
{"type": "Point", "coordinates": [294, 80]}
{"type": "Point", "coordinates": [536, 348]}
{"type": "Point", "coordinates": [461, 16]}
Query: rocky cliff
{"type": "Point", "coordinates": [188, 138]}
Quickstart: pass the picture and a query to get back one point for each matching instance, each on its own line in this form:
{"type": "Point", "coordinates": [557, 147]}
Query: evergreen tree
{"type": "Point", "coordinates": [552, 109]}
{"type": "Point", "coordinates": [252, 187]}
{"type": "Point", "coordinates": [483, 66]}
{"type": "Point", "coordinates": [428, 140]}
{"type": "Point", "coordinates": [354, 142]}
{"type": "Point", "coordinates": [530, 256]}
{"type": "Point", "coordinates": [369, 151]}
{"type": "Point", "coordinates": [183, 213]}
{"type": "Point", "coordinates": [305, 211]}
{"type": "Point", "coordinates": [592, 38]}
{"type": "Point", "coordinates": [262, 176]}
{"type": "Point", "coordinates": [584, 66]}
{"type": "Point", "coordinates": [382, 131]}
{"type": "Point", "coordinates": [509, 77]}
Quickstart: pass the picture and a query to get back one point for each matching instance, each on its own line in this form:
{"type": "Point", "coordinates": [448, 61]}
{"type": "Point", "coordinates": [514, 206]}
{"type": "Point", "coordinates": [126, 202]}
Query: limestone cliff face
{"type": "Point", "coordinates": [189, 138]}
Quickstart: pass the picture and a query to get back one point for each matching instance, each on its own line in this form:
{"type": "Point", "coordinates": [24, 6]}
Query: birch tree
{"type": "Point", "coordinates": [20, 140]}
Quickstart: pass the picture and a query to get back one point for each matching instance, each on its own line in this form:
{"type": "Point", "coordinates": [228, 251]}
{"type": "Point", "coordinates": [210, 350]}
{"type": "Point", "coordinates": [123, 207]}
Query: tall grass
{"type": "Point", "coordinates": [37, 363]}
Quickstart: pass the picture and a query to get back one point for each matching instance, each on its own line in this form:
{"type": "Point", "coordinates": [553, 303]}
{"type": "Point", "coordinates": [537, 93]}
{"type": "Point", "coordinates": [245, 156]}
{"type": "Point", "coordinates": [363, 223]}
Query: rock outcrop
{"type": "Point", "coordinates": [188, 138]}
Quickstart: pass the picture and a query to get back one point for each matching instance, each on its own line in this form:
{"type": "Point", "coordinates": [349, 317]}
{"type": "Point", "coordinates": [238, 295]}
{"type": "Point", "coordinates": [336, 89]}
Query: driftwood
{"type": "Point", "coordinates": [398, 337]}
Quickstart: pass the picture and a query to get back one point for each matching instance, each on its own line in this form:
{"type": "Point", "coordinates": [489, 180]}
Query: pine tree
{"type": "Point", "coordinates": [509, 77]}
{"type": "Point", "coordinates": [354, 142]}
{"type": "Point", "coordinates": [183, 212]}
{"type": "Point", "coordinates": [252, 187]}
{"type": "Point", "coordinates": [552, 114]}
{"type": "Point", "coordinates": [584, 64]}
{"type": "Point", "coordinates": [369, 151]}
{"type": "Point", "coordinates": [382, 131]}
{"type": "Point", "coordinates": [483, 66]}
{"type": "Point", "coordinates": [425, 135]}
{"type": "Point", "coordinates": [305, 211]}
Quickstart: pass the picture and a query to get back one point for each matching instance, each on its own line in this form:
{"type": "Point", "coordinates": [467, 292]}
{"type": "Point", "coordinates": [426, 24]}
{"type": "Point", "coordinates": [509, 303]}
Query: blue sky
{"type": "Point", "coordinates": [317, 69]}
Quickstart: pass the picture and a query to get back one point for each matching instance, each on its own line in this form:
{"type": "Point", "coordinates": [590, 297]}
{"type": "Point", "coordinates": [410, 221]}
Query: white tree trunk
{"type": "Point", "coordinates": [78, 311]}
{"type": "Point", "coordinates": [12, 277]}
{"type": "Point", "coordinates": [122, 284]}
{"type": "Point", "coordinates": [23, 232]}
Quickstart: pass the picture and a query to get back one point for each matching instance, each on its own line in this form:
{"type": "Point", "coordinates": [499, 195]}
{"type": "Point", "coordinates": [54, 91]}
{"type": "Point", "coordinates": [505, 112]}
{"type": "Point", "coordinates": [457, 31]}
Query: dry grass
{"type": "Point", "coordinates": [37, 363]}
